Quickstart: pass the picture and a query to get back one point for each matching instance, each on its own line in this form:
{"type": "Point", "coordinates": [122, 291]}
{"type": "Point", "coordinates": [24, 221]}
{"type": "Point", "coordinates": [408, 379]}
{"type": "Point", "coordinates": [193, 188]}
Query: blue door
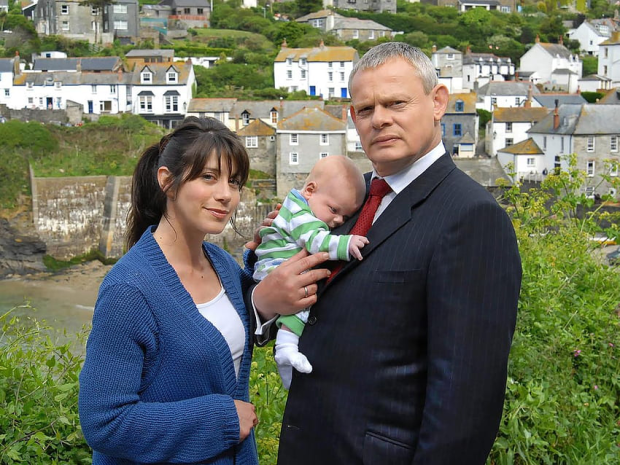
{"type": "Point", "coordinates": [343, 92]}
{"type": "Point", "coordinates": [90, 106]}
{"type": "Point", "coordinates": [312, 90]}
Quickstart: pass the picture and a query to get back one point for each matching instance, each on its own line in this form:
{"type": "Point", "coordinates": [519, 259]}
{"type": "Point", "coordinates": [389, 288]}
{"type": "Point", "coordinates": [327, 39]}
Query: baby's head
{"type": "Point", "coordinates": [334, 189]}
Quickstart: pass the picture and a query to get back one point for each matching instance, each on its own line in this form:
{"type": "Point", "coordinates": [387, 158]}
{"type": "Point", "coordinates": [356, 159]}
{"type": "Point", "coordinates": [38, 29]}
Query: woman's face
{"type": "Point", "coordinates": [206, 203]}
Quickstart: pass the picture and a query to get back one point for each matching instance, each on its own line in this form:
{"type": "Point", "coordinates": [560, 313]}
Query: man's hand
{"type": "Point", "coordinates": [291, 287]}
{"type": "Point", "coordinates": [247, 418]}
{"type": "Point", "coordinates": [355, 244]}
{"type": "Point", "coordinates": [255, 242]}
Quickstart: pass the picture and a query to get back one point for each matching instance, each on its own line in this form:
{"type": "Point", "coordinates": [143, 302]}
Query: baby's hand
{"type": "Point", "coordinates": [357, 243]}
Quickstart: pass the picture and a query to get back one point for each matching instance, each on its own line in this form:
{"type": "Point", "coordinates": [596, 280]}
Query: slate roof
{"type": "Point", "coordinates": [596, 30]}
{"type": "Point", "coordinates": [150, 53]}
{"type": "Point", "coordinates": [467, 139]}
{"type": "Point", "coordinates": [6, 65]}
{"type": "Point", "coordinates": [555, 50]}
{"type": "Point", "coordinates": [68, 78]}
{"type": "Point", "coordinates": [612, 97]}
{"type": "Point", "coordinates": [186, 3]}
{"type": "Point", "coordinates": [485, 171]}
{"type": "Point", "coordinates": [316, 15]}
{"type": "Point", "coordinates": [581, 120]}
{"type": "Point", "coordinates": [257, 128]}
{"type": "Point", "coordinates": [469, 103]}
{"type": "Point", "coordinates": [262, 108]}
{"type": "Point", "coordinates": [211, 105]}
{"type": "Point", "coordinates": [525, 147]}
{"type": "Point", "coordinates": [318, 54]}
{"type": "Point", "coordinates": [484, 58]}
{"type": "Point", "coordinates": [595, 77]}
{"type": "Point", "coordinates": [548, 100]}
{"type": "Point", "coordinates": [312, 119]}
{"type": "Point", "coordinates": [71, 64]}
{"type": "Point", "coordinates": [448, 50]}
{"type": "Point", "coordinates": [360, 24]}
{"type": "Point", "coordinates": [519, 115]}
{"type": "Point", "coordinates": [613, 40]}
{"type": "Point", "coordinates": [506, 88]}
{"type": "Point", "coordinates": [561, 71]}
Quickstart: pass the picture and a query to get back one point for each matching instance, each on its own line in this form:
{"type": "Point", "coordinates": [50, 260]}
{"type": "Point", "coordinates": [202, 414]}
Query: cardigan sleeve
{"type": "Point", "coordinates": [115, 421]}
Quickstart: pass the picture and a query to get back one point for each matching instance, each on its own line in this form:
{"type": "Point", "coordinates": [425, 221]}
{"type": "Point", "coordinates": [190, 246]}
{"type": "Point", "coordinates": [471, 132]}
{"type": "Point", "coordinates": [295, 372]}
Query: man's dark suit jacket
{"type": "Point", "coordinates": [409, 346]}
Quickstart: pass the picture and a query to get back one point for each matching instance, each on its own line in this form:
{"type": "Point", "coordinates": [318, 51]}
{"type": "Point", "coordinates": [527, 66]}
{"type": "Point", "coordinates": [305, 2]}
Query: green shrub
{"type": "Point", "coordinates": [31, 136]}
{"type": "Point", "coordinates": [38, 396]}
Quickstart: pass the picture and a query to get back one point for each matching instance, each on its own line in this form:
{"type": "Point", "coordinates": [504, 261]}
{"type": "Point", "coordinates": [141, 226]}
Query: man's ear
{"type": "Point", "coordinates": [353, 115]}
{"type": "Point", "coordinates": [440, 97]}
{"type": "Point", "coordinates": [164, 179]}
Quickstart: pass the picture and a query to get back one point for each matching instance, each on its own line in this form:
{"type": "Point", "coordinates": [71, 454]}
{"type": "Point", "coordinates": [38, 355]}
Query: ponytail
{"type": "Point", "coordinates": [148, 200]}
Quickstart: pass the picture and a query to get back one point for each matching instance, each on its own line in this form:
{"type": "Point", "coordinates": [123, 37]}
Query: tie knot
{"type": "Point", "coordinates": [379, 188]}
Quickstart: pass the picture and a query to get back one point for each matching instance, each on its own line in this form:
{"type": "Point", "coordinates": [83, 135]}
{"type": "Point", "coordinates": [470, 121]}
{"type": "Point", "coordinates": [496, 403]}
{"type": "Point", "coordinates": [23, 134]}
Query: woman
{"type": "Point", "coordinates": [167, 365]}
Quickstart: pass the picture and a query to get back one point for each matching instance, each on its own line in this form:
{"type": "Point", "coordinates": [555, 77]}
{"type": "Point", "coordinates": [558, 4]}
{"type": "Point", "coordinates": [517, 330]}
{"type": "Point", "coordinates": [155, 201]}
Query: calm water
{"type": "Point", "coordinates": [64, 306]}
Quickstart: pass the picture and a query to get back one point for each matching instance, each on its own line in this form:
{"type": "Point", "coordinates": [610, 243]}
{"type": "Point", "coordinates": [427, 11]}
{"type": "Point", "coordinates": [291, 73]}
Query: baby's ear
{"type": "Point", "coordinates": [309, 189]}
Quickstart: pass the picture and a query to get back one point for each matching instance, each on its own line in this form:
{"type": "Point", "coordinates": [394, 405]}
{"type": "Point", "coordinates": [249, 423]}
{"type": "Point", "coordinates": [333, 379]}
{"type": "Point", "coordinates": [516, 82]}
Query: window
{"type": "Point", "coordinates": [30, 101]}
{"type": "Point", "coordinates": [274, 116]}
{"type": "Point", "coordinates": [356, 34]}
{"type": "Point", "coordinates": [146, 103]}
{"type": "Point", "coordinates": [613, 146]}
{"type": "Point", "coordinates": [493, 101]}
{"type": "Point", "coordinates": [245, 117]}
{"type": "Point", "coordinates": [371, 35]}
{"type": "Point", "coordinates": [556, 163]}
{"type": "Point", "coordinates": [187, 11]}
{"type": "Point", "coordinates": [120, 25]}
{"type": "Point", "coordinates": [65, 25]}
{"type": "Point", "coordinates": [324, 139]}
{"type": "Point", "coordinates": [358, 146]}
{"type": "Point", "coordinates": [544, 142]}
{"type": "Point", "coordinates": [323, 155]}
{"type": "Point", "coordinates": [289, 62]}
{"type": "Point", "coordinates": [531, 162]}
{"type": "Point", "coordinates": [59, 101]}
{"type": "Point", "coordinates": [200, 11]}
{"type": "Point", "coordinates": [113, 89]}
{"type": "Point", "coordinates": [330, 76]}
{"type": "Point", "coordinates": [505, 9]}
{"type": "Point", "coordinates": [302, 61]}
{"type": "Point", "coordinates": [171, 103]}
{"type": "Point", "coordinates": [93, 25]}
{"type": "Point", "coordinates": [331, 92]}
{"type": "Point", "coordinates": [7, 92]}
{"type": "Point", "coordinates": [29, 85]}
{"type": "Point", "coordinates": [146, 77]}
{"type": "Point", "coordinates": [64, 9]}
{"type": "Point", "coordinates": [330, 64]}
{"type": "Point", "coordinates": [450, 56]}
{"type": "Point", "coordinates": [589, 192]}
{"type": "Point", "coordinates": [517, 101]}
{"type": "Point", "coordinates": [105, 105]}
{"type": "Point", "coordinates": [251, 142]}
{"type": "Point", "coordinates": [342, 64]}
{"type": "Point", "coordinates": [289, 74]}
{"type": "Point", "coordinates": [604, 70]}
{"type": "Point", "coordinates": [293, 158]}
{"type": "Point", "coordinates": [509, 142]}
{"type": "Point", "coordinates": [58, 85]}
{"type": "Point", "coordinates": [342, 76]}
{"type": "Point", "coordinates": [171, 77]}
{"type": "Point", "coordinates": [459, 106]}
{"type": "Point", "coordinates": [303, 74]}
{"type": "Point", "coordinates": [590, 144]}
{"type": "Point", "coordinates": [590, 166]}
{"type": "Point", "coordinates": [613, 169]}
{"type": "Point", "coordinates": [457, 129]}
{"type": "Point", "coordinates": [121, 9]}
{"type": "Point", "coordinates": [562, 144]}
{"type": "Point", "coordinates": [93, 89]}
{"type": "Point", "coordinates": [294, 139]}
{"type": "Point", "coordinates": [94, 11]}
{"type": "Point", "coordinates": [508, 127]}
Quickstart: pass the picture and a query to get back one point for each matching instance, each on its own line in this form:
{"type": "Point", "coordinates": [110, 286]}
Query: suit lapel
{"type": "Point", "coordinates": [398, 212]}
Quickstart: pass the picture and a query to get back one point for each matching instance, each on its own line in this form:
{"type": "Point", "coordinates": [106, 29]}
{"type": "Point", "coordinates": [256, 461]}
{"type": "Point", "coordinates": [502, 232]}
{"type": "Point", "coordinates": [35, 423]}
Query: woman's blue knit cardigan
{"type": "Point", "coordinates": [158, 382]}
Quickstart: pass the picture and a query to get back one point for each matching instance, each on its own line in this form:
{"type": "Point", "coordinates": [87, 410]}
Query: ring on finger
{"type": "Point", "coordinates": [306, 291]}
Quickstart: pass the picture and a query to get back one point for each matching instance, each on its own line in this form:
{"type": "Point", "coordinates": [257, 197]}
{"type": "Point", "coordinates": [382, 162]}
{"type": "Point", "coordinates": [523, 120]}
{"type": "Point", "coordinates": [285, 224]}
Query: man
{"type": "Point", "coordinates": [410, 345]}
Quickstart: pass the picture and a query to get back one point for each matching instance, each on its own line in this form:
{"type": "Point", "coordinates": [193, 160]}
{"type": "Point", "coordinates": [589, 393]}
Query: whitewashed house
{"type": "Point", "coordinates": [161, 92]}
{"type": "Point", "coordinates": [551, 65]}
{"type": "Point", "coordinates": [609, 59]}
{"type": "Point", "coordinates": [481, 68]}
{"type": "Point", "coordinates": [320, 70]}
{"type": "Point", "coordinates": [590, 35]}
{"type": "Point", "coordinates": [509, 126]}
{"type": "Point", "coordinates": [9, 67]}
{"type": "Point", "coordinates": [523, 161]}
{"type": "Point", "coordinates": [504, 94]}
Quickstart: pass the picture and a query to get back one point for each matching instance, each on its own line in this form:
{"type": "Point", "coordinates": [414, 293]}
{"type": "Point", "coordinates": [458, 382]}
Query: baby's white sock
{"type": "Point", "coordinates": [288, 357]}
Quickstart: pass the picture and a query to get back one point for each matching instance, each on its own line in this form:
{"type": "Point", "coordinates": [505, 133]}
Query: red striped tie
{"type": "Point", "coordinates": [378, 189]}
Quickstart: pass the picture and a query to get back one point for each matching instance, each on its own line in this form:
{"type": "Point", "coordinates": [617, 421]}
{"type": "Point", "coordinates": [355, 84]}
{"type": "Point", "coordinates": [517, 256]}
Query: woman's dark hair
{"type": "Point", "coordinates": [185, 153]}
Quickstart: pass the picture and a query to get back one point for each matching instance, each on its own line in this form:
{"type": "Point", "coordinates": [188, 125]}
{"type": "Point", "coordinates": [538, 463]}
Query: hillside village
{"type": "Point", "coordinates": [536, 107]}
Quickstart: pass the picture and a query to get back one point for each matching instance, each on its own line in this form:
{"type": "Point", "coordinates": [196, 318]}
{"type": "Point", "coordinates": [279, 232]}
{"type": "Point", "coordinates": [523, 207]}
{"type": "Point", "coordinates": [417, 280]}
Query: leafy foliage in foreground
{"type": "Point", "coordinates": [564, 373]}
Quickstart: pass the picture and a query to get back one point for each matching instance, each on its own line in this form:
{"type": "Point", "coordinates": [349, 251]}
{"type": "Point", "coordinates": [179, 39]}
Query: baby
{"type": "Point", "coordinates": [334, 190]}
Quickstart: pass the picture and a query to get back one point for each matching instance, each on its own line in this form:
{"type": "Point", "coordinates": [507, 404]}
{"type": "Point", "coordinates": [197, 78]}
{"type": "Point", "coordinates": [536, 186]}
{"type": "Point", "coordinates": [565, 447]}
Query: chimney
{"type": "Point", "coordinates": [284, 44]}
{"type": "Point", "coordinates": [561, 41]}
{"type": "Point", "coordinates": [322, 44]}
{"type": "Point", "coordinates": [528, 102]}
{"type": "Point", "coordinates": [468, 50]}
{"type": "Point", "coordinates": [578, 90]}
{"type": "Point", "coordinates": [16, 68]}
{"type": "Point", "coordinates": [344, 113]}
{"type": "Point", "coordinates": [537, 39]}
{"type": "Point", "coordinates": [236, 123]}
{"type": "Point", "coordinates": [434, 49]}
{"type": "Point", "coordinates": [556, 115]}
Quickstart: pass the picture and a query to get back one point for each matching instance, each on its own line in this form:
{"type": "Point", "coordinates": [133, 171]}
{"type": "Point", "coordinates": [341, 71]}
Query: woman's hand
{"type": "Point", "coordinates": [247, 418]}
{"type": "Point", "coordinates": [266, 222]}
{"type": "Point", "coordinates": [291, 287]}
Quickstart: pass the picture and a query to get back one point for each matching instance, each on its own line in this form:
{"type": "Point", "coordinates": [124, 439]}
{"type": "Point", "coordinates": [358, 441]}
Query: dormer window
{"type": "Point", "coordinates": [289, 62]}
{"type": "Point", "coordinates": [58, 84]}
{"type": "Point", "coordinates": [245, 117]}
{"type": "Point", "coordinates": [302, 61]}
{"type": "Point", "coordinates": [459, 106]}
{"type": "Point", "coordinates": [146, 77]}
{"type": "Point", "coordinates": [29, 85]}
{"type": "Point", "coordinates": [172, 77]}
{"type": "Point", "coordinates": [274, 116]}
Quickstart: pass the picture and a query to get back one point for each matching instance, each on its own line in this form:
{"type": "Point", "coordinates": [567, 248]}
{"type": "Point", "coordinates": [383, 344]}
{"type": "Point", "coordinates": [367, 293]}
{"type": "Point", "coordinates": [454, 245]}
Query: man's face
{"type": "Point", "coordinates": [397, 122]}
